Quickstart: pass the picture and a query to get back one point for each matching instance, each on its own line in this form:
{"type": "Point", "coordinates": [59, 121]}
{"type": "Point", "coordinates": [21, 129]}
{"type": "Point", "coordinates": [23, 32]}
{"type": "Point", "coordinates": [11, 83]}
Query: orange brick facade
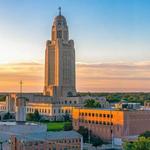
{"type": "Point", "coordinates": [112, 123]}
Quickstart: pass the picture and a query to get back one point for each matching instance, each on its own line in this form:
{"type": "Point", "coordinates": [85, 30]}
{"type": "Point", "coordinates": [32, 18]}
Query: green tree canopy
{"type": "Point", "coordinates": [146, 134]}
{"type": "Point", "coordinates": [92, 103]}
{"type": "Point", "coordinates": [96, 141]}
{"type": "Point", "coordinates": [34, 117]}
{"type": "Point", "coordinates": [141, 144]}
{"type": "Point", "coordinates": [7, 116]}
{"type": "Point", "coordinates": [68, 126]}
{"type": "Point", "coordinates": [84, 132]}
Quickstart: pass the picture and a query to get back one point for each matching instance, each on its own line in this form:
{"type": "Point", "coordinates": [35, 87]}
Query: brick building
{"type": "Point", "coordinates": [63, 140]}
{"type": "Point", "coordinates": [108, 123]}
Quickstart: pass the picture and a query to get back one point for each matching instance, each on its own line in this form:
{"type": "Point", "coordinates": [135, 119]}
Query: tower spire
{"type": "Point", "coordinates": [59, 11]}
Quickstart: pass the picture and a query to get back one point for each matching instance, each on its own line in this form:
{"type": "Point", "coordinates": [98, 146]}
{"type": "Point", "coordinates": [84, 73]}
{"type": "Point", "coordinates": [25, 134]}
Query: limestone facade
{"type": "Point", "coordinates": [60, 61]}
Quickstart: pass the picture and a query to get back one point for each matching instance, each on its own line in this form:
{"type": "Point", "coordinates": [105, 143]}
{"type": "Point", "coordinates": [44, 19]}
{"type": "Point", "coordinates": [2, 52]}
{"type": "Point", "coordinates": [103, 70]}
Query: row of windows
{"type": "Point", "coordinates": [67, 102]}
{"type": "Point", "coordinates": [96, 122]}
{"type": "Point", "coordinates": [65, 148]}
{"type": "Point", "coordinates": [69, 141]}
{"type": "Point", "coordinates": [53, 142]}
{"type": "Point", "coordinates": [32, 110]}
{"type": "Point", "coordinates": [62, 111]}
{"type": "Point", "coordinates": [3, 108]}
{"type": "Point", "coordinates": [96, 115]}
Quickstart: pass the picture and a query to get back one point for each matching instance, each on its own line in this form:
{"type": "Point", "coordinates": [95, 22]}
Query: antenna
{"type": "Point", "coordinates": [21, 88]}
{"type": "Point", "coordinates": [59, 11]}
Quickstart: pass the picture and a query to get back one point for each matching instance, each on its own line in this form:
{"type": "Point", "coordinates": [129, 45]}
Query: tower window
{"type": "Point", "coordinates": [59, 34]}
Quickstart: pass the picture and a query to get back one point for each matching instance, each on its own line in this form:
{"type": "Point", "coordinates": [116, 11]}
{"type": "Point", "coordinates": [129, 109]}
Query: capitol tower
{"type": "Point", "coordinates": [60, 61]}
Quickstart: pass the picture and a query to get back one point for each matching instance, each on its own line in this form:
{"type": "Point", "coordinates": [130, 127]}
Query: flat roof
{"type": "Point", "coordinates": [110, 109]}
{"type": "Point", "coordinates": [15, 123]}
{"type": "Point", "coordinates": [49, 136]}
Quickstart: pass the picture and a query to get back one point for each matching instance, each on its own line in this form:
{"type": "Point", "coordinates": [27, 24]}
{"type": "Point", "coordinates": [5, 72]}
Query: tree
{"type": "Point", "coordinates": [84, 132]}
{"type": "Point", "coordinates": [33, 117]}
{"type": "Point", "coordinates": [7, 116]}
{"type": "Point", "coordinates": [66, 117]}
{"type": "Point", "coordinates": [141, 144]}
{"type": "Point", "coordinates": [96, 141]}
{"type": "Point", "coordinates": [92, 103]}
{"type": "Point", "coordinates": [36, 116]}
{"type": "Point", "coordinates": [146, 134]}
{"type": "Point", "coordinates": [68, 126]}
{"type": "Point", "coordinates": [29, 117]}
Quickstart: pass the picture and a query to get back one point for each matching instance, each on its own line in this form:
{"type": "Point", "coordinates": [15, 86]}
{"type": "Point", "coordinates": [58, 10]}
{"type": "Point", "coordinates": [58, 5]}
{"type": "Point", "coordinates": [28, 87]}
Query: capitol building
{"type": "Point", "coordinates": [59, 96]}
{"type": "Point", "coordinates": [60, 61]}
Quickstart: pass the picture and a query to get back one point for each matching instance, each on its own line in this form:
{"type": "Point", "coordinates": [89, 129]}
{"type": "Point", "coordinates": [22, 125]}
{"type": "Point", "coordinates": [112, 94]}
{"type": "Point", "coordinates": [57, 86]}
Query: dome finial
{"type": "Point", "coordinates": [59, 11]}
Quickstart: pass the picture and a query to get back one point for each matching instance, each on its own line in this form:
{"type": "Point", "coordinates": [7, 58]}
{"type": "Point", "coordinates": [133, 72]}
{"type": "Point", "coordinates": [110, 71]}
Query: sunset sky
{"type": "Point", "coordinates": [112, 42]}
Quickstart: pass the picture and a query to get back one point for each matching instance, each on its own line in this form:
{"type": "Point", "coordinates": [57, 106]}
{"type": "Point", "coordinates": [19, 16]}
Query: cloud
{"type": "Point", "coordinates": [114, 76]}
{"type": "Point", "coordinates": [32, 75]}
{"type": "Point", "coordinates": [89, 77]}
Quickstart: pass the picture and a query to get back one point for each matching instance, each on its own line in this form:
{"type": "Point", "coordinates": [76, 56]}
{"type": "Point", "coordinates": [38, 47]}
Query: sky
{"type": "Point", "coordinates": [111, 42]}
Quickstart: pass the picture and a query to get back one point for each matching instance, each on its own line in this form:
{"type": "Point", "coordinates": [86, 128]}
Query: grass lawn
{"type": "Point", "coordinates": [56, 126]}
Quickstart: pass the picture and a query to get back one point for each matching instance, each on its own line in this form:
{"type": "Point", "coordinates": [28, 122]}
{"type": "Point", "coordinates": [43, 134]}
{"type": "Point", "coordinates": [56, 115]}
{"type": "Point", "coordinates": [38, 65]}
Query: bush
{"type": "Point", "coordinates": [34, 117]}
{"type": "Point", "coordinates": [96, 141]}
{"type": "Point", "coordinates": [7, 116]}
{"type": "Point", "coordinates": [68, 126]}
